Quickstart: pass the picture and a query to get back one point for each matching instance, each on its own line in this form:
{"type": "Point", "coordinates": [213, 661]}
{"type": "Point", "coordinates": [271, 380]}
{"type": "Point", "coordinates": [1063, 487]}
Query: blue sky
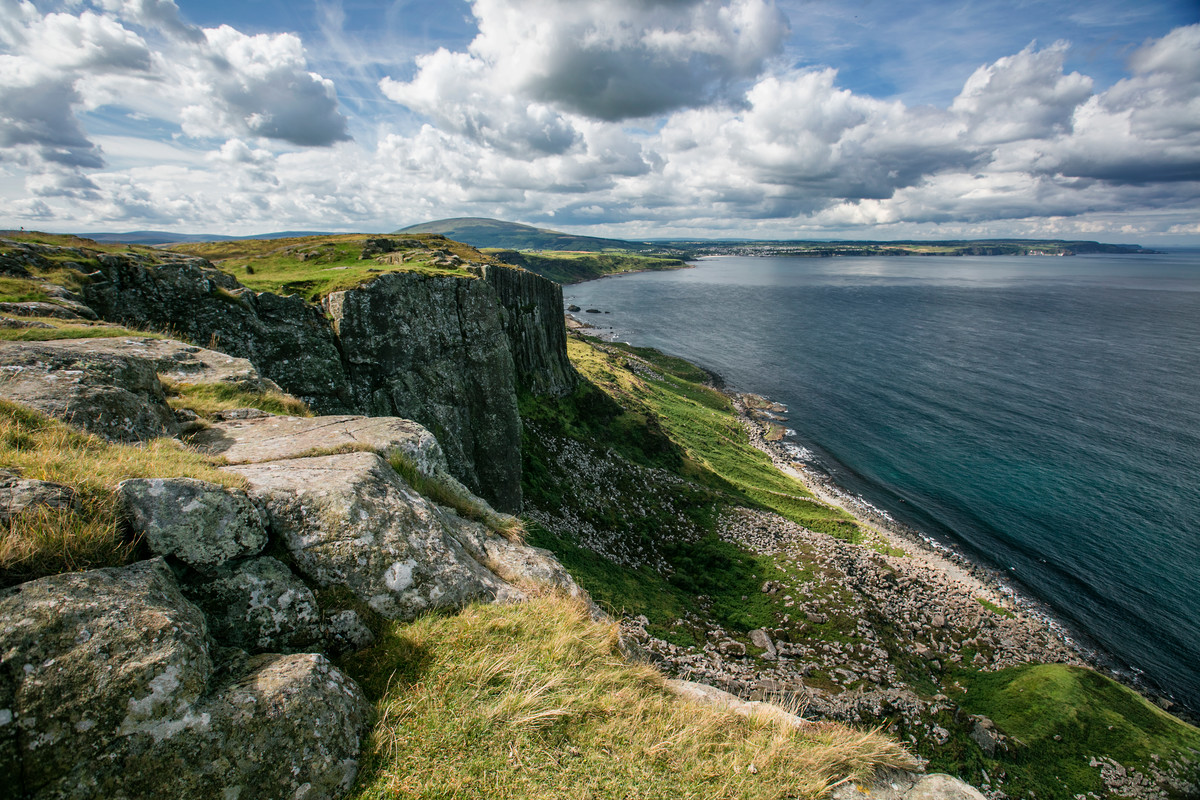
{"type": "Point", "coordinates": [634, 118]}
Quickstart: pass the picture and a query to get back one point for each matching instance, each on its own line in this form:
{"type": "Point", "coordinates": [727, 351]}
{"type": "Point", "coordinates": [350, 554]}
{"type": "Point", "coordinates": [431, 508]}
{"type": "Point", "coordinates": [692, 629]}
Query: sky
{"type": "Point", "coordinates": [799, 119]}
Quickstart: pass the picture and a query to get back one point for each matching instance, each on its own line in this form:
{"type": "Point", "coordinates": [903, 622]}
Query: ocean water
{"type": "Point", "coordinates": [1041, 415]}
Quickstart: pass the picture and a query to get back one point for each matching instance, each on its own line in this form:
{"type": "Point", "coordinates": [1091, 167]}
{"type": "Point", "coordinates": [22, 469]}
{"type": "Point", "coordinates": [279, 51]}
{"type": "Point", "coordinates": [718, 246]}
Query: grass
{"type": "Point", "coordinates": [995, 609]}
{"type": "Point", "coordinates": [43, 541]}
{"type": "Point", "coordinates": [576, 267]}
{"type": "Point", "coordinates": [59, 330]}
{"type": "Point", "coordinates": [458, 498]}
{"type": "Point", "coordinates": [316, 266]}
{"type": "Point", "coordinates": [1058, 717]}
{"type": "Point", "coordinates": [206, 399]}
{"type": "Point", "coordinates": [533, 701]}
{"type": "Point", "coordinates": [703, 424]}
{"type": "Point", "coordinates": [21, 290]}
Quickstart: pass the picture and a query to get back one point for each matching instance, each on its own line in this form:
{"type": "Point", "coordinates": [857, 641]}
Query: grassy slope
{"type": "Point", "coordinates": [314, 266]}
{"type": "Point", "coordinates": [534, 701]}
{"type": "Point", "coordinates": [664, 418]}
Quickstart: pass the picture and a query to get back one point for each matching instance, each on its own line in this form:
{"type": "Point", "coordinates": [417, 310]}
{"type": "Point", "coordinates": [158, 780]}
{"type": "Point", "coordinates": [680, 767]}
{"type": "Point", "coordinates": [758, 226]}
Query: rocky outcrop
{"type": "Point", "coordinates": [111, 687]}
{"type": "Point", "coordinates": [96, 384]}
{"type": "Point", "coordinates": [202, 524]}
{"type": "Point", "coordinates": [533, 321]}
{"type": "Point", "coordinates": [350, 520]}
{"type": "Point", "coordinates": [433, 349]}
{"type": "Point", "coordinates": [286, 338]}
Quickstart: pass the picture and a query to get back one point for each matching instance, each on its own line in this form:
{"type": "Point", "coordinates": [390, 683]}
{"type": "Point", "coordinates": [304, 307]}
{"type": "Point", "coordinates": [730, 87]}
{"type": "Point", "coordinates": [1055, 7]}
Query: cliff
{"type": "Point", "coordinates": [419, 336]}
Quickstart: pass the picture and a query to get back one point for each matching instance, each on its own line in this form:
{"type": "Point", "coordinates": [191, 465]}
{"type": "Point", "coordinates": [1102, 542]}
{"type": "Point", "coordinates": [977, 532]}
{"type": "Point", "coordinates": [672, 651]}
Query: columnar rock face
{"type": "Point", "coordinates": [433, 349]}
{"type": "Point", "coordinates": [533, 320]}
{"type": "Point", "coordinates": [110, 688]}
{"type": "Point", "coordinates": [286, 338]}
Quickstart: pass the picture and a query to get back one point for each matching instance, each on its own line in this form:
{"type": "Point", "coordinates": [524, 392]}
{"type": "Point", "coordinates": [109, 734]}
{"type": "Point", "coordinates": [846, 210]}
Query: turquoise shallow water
{"type": "Point", "coordinates": [1040, 414]}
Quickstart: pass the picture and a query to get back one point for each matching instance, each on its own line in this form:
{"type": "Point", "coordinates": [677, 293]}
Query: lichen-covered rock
{"type": "Point", "coordinates": [202, 524]}
{"type": "Point", "coordinates": [106, 691]}
{"type": "Point", "coordinates": [899, 785]}
{"type": "Point", "coordinates": [187, 363]}
{"type": "Point", "coordinates": [272, 438]}
{"type": "Point", "coordinates": [94, 384]}
{"type": "Point", "coordinates": [533, 321]}
{"type": "Point", "coordinates": [433, 349]}
{"type": "Point", "coordinates": [87, 658]}
{"type": "Point", "coordinates": [345, 632]}
{"type": "Point", "coordinates": [515, 562]}
{"type": "Point", "coordinates": [18, 494]}
{"type": "Point", "coordinates": [350, 520]}
{"type": "Point", "coordinates": [286, 338]}
{"type": "Point", "coordinates": [259, 606]}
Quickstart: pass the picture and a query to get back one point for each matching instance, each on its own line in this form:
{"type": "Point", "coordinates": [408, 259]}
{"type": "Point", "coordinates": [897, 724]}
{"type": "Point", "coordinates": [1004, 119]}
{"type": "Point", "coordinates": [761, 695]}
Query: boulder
{"type": "Point", "coordinates": [350, 520]}
{"type": "Point", "coordinates": [202, 524]}
{"type": "Point", "coordinates": [345, 632]}
{"type": "Point", "coordinates": [258, 605]}
{"type": "Point", "coordinates": [515, 562]}
{"type": "Point", "coordinates": [92, 383]}
{"type": "Point", "coordinates": [107, 686]}
{"type": "Point", "coordinates": [18, 494]}
{"type": "Point", "coordinates": [899, 785]}
{"type": "Point", "coordinates": [760, 639]}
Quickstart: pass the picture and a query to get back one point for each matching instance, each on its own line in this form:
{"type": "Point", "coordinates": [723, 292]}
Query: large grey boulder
{"type": "Point", "coordinates": [202, 524]}
{"type": "Point", "coordinates": [350, 520]}
{"type": "Point", "coordinates": [433, 349]}
{"type": "Point", "coordinates": [91, 383]}
{"type": "Point", "coordinates": [108, 690]}
{"type": "Point", "coordinates": [260, 606]}
{"type": "Point", "coordinates": [899, 785]}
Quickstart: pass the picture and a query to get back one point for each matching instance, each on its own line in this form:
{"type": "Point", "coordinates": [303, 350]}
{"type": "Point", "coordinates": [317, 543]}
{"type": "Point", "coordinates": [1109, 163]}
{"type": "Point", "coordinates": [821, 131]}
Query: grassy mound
{"type": "Point", "coordinates": [1059, 717]}
{"type": "Point", "coordinates": [534, 701]}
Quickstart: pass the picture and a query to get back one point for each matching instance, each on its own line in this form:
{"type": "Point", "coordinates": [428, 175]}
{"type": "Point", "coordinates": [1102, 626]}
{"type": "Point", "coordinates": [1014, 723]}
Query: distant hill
{"type": "Point", "coordinates": [165, 237]}
{"type": "Point", "coordinates": [481, 232]}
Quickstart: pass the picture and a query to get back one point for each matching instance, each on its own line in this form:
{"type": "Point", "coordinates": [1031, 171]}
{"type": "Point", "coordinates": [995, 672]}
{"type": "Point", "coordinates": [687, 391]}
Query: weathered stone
{"type": "Point", "coordinates": [433, 349]}
{"type": "Point", "coordinates": [760, 639]}
{"type": "Point", "coordinates": [263, 437]}
{"type": "Point", "coordinates": [39, 309]}
{"type": "Point", "coordinates": [351, 520]}
{"type": "Point", "coordinates": [709, 695]}
{"type": "Point", "coordinates": [105, 677]}
{"type": "Point", "coordinates": [515, 562]}
{"type": "Point", "coordinates": [899, 785]}
{"type": "Point", "coordinates": [816, 618]}
{"type": "Point", "coordinates": [345, 632]}
{"type": "Point", "coordinates": [986, 736]}
{"type": "Point", "coordinates": [18, 494]}
{"type": "Point", "coordinates": [92, 383]}
{"type": "Point", "coordinates": [259, 606]}
{"type": "Point", "coordinates": [202, 524]}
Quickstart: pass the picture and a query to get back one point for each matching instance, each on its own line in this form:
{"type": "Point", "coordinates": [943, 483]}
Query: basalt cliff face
{"type": "Point", "coordinates": [449, 352]}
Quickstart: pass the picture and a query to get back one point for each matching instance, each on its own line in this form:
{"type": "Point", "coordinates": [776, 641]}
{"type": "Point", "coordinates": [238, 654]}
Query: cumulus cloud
{"type": "Point", "coordinates": [536, 68]}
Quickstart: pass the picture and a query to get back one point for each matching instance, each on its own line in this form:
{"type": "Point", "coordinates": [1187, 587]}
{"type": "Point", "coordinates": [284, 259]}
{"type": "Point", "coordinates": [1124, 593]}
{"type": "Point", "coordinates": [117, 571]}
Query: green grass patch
{"type": "Point", "coordinates": [45, 541]}
{"type": "Point", "coordinates": [316, 266]}
{"type": "Point", "coordinates": [533, 701]}
{"type": "Point", "coordinates": [571, 267]}
{"type": "Point", "coordinates": [21, 290]}
{"type": "Point", "coordinates": [995, 609]}
{"type": "Point", "coordinates": [1058, 717]}
{"type": "Point", "coordinates": [206, 399]}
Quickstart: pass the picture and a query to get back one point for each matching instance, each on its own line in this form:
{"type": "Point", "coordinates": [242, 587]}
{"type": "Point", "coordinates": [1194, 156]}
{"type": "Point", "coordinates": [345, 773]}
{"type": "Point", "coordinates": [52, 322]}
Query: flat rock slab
{"type": "Point", "coordinates": [96, 384]}
{"type": "Point", "coordinates": [273, 438]}
{"type": "Point", "coordinates": [350, 520]}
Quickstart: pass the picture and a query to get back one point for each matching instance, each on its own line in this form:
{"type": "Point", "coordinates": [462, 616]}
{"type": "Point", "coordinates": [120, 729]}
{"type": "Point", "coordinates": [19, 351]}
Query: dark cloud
{"type": "Point", "coordinates": [37, 112]}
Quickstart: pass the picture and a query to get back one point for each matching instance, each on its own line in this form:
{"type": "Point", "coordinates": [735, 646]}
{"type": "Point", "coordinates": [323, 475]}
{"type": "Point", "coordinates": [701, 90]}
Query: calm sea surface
{"type": "Point", "coordinates": [1040, 414]}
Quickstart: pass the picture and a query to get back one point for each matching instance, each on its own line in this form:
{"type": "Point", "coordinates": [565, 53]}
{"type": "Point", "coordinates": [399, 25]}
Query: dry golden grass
{"type": "Point", "coordinates": [534, 701]}
{"type": "Point", "coordinates": [206, 399]}
{"type": "Point", "coordinates": [44, 541]}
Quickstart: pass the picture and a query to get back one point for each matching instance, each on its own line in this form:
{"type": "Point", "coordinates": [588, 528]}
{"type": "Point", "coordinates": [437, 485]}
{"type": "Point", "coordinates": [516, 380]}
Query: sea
{"type": "Point", "coordinates": [1038, 415]}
